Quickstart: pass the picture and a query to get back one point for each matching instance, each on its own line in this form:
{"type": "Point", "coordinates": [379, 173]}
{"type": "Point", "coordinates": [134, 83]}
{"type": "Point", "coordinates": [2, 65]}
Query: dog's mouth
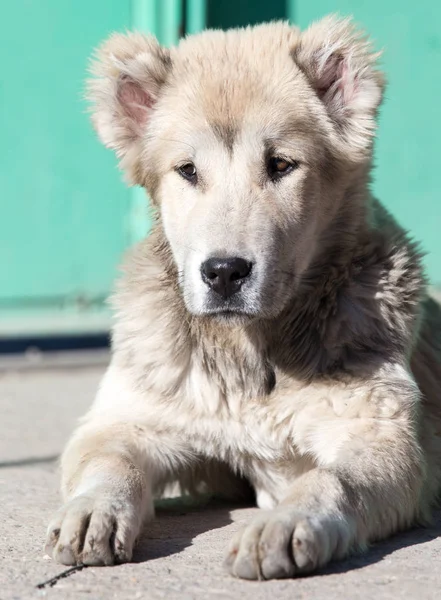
{"type": "Point", "coordinates": [228, 312]}
{"type": "Point", "coordinates": [233, 308]}
{"type": "Point", "coordinates": [237, 307]}
{"type": "Point", "coordinates": [229, 316]}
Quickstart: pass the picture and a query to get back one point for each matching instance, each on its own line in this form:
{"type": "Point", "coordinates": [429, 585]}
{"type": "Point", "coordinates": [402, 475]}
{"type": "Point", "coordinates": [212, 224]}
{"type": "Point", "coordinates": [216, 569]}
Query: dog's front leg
{"type": "Point", "coordinates": [109, 472]}
{"type": "Point", "coordinates": [367, 483]}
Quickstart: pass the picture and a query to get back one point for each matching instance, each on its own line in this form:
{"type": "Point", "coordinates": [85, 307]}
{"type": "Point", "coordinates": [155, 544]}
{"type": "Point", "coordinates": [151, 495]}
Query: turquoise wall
{"type": "Point", "coordinates": [66, 217]}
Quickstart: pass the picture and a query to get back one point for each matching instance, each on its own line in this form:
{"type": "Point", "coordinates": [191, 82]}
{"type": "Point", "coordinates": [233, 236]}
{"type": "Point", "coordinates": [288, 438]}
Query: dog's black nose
{"type": "Point", "coordinates": [225, 275]}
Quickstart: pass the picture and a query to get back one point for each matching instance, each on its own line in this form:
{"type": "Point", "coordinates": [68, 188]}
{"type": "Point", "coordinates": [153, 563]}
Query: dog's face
{"type": "Point", "coordinates": [245, 141]}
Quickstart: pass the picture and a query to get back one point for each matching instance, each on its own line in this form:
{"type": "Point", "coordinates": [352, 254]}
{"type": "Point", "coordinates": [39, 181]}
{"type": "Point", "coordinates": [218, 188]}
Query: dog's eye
{"type": "Point", "coordinates": [188, 171]}
{"type": "Point", "coordinates": [278, 167]}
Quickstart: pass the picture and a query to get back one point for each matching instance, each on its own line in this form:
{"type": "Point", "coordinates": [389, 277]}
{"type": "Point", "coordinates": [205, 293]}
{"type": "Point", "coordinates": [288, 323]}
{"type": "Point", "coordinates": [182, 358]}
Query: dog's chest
{"type": "Point", "coordinates": [255, 437]}
{"type": "Point", "coordinates": [250, 432]}
{"type": "Point", "coordinates": [235, 423]}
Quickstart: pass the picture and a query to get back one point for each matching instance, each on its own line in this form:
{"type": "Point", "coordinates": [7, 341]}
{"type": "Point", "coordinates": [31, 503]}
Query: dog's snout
{"type": "Point", "coordinates": [225, 275]}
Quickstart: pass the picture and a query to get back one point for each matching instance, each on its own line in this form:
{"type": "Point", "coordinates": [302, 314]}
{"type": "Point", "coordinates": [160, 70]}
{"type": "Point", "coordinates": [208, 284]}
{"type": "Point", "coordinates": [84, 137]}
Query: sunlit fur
{"type": "Point", "coordinates": [323, 390]}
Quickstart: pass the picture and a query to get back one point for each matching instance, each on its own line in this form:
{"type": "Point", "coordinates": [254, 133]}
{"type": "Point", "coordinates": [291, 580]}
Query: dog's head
{"type": "Point", "coordinates": [248, 142]}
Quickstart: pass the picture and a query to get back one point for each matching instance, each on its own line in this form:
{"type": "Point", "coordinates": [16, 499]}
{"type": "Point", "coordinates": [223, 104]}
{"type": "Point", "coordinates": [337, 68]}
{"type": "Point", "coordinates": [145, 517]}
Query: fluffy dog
{"type": "Point", "coordinates": [275, 326]}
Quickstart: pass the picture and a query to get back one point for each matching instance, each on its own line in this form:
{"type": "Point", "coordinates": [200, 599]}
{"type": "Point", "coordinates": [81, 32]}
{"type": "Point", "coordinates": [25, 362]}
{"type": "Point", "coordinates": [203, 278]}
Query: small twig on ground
{"type": "Point", "coordinates": [54, 580]}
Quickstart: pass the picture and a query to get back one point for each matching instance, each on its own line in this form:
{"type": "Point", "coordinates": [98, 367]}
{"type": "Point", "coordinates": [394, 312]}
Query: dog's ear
{"type": "Point", "coordinates": [341, 66]}
{"type": "Point", "coordinates": [128, 73]}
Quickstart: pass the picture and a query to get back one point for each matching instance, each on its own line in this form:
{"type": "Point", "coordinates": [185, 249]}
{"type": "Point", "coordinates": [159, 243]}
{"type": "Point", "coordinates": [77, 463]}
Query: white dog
{"type": "Point", "coordinates": [275, 326]}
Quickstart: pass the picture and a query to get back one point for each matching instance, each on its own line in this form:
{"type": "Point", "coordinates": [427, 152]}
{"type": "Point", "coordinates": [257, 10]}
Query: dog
{"type": "Point", "coordinates": [274, 331]}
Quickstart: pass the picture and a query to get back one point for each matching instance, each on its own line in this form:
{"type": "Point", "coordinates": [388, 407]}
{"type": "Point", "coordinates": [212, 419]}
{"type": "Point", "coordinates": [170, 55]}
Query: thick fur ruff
{"type": "Point", "coordinates": [321, 387]}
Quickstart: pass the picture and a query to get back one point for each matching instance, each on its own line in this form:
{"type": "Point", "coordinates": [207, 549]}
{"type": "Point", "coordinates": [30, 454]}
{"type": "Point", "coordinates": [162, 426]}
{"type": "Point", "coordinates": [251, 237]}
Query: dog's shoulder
{"type": "Point", "coordinates": [359, 306]}
{"type": "Point", "coordinates": [150, 333]}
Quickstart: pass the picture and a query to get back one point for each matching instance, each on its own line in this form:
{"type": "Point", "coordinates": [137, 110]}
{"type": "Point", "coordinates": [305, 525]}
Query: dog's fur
{"type": "Point", "coordinates": [319, 381]}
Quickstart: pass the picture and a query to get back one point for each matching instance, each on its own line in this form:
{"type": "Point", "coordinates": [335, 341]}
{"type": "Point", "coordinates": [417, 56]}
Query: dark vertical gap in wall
{"type": "Point", "coordinates": [234, 13]}
{"type": "Point", "coordinates": [183, 29]}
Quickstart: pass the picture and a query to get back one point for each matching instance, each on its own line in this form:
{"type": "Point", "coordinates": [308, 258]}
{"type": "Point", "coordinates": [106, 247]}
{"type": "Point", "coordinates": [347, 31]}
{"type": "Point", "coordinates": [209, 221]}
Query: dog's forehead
{"type": "Point", "coordinates": [234, 77]}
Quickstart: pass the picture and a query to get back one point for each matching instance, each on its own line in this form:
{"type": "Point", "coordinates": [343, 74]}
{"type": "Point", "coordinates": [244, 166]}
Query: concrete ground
{"type": "Point", "coordinates": [180, 556]}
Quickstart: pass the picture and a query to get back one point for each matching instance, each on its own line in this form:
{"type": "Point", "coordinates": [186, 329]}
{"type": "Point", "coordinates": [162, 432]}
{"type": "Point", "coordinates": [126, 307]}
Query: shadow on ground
{"type": "Point", "coordinates": [377, 552]}
{"type": "Point", "coordinates": [28, 462]}
{"type": "Point", "coordinates": [178, 523]}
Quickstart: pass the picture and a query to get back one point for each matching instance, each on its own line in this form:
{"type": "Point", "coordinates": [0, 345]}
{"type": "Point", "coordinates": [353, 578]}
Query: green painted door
{"type": "Point", "coordinates": [66, 216]}
{"type": "Point", "coordinates": [63, 209]}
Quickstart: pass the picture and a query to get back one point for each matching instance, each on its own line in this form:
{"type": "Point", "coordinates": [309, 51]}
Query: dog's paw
{"type": "Point", "coordinates": [93, 530]}
{"type": "Point", "coordinates": [283, 543]}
